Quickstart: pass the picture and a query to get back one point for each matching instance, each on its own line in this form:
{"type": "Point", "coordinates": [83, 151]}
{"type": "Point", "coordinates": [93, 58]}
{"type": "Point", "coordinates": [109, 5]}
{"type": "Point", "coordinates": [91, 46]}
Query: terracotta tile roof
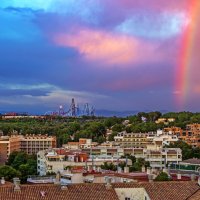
{"type": "Point", "coordinates": [156, 191]}
{"type": "Point", "coordinates": [53, 192]}
{"type": "Point", "coordinates": [6, 184]}
{"type": "Point", "coordinates": [165, 190]}
{"type": "Point", "coordinates": [195, 196]}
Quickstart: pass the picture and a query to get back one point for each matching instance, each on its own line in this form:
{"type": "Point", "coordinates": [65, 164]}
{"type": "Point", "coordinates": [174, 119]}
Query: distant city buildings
{"type": "Point", "coordinates": [16, 116]}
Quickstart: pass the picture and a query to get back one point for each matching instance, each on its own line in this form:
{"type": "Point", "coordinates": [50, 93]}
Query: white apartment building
{"type": "Point", "coordinates": [158, 158]}
{"type": "Point", "coordinates": [145, 140]}
{"type": "Point", "coordinates": [51, 161]}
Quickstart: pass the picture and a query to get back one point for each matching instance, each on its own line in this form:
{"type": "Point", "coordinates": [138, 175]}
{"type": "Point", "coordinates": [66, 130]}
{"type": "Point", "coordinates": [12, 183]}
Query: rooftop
{"type": "Point", "coordinates": [156, 191]}
{"type": "Point", "coordinates": [192, 161]}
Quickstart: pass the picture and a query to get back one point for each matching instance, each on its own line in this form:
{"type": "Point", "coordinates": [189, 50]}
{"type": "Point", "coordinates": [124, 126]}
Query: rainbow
{"type": "Point", "coordinates": [188, 41]}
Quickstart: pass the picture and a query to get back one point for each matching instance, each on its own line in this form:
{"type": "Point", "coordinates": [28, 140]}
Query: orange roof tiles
{"type": "Point", "coordinates": [195, 196]}
{"type": "Point", "coordinates": [53, 192]}
{"type": "Point", "coordinates": [156, 191]}
{"type": "Point", "coordinates": [171, 190]}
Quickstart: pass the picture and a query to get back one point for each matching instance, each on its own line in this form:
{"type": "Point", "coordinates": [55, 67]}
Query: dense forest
{"type": "Point", "coordinates": [68, 129]}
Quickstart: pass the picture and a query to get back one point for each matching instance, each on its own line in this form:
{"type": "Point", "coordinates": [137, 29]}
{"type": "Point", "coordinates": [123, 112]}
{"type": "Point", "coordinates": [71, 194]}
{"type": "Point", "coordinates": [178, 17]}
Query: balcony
{"type": "Point", "coordinates": [174, 159]}
{"type": "Point", "coordinates": [155, 159]}
{"type": "Point", "coordinates": [157, 165]}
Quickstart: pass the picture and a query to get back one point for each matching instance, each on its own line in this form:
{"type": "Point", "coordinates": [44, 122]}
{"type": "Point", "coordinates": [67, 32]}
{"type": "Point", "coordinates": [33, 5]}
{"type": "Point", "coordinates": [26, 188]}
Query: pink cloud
{"type": "Point", "coordinates": [151, 4]}
{"type": "Point", "coordinates": [127, 84]}
{"type": "Point", "coordinates": [108, 47]}
{"type": "Point", "coordinates": [101, 46]}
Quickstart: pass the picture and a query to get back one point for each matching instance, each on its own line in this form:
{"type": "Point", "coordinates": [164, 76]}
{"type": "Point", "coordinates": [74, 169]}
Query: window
{"type": "Point", "coordinates": [127, 198]}
{"type": "Point", "coordinates": [189, 133]}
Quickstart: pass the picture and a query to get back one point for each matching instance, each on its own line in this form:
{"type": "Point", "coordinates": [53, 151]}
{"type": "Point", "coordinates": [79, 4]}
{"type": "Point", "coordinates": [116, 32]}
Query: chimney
{"type": "Point", "coordinates": [126, 169]}
{"type": "Point", "coordinates": [143, 169]}
{"type": "Point", "coordinates": [192, 177]}
{"type": "Point", "coordinates": [2, 181]}
{"type": "Point", "coordinates": [150, 177]}
{"type": "Point", "coordinates": [178, 176]}
{"type": "Point", "coordinates": [58, 177]}
{"type": "Point", "coordinates": [108, 183]}
{"type": "Point", "coordinates": [16, 182]}
{"type": "Point", "coordinates": [148, 170]}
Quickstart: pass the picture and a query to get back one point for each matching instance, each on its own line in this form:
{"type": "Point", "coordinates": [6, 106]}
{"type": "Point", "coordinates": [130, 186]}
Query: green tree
{"type": "Point", "coordinates": [11, 157]}
{"type": "Point", "coordinates": [24, 164]}
{"type": "Point", "coordinates": [118, 128]}
{"type": "Point", "coordinates": [131, 157]}
{"type": "Point", "coordinates": [20, 159]}
{"type": "Point", "coordinates": [109, 166]}
{"type": "Point", "coordinates": [137, 166]}
{"type": "Point", "coordinates": [112, 135]}
{"type": "Point", "coordinates": [73, 127]}
{"type": "Point", "coordinates": [9, 172]}
{"type": "Point", "coordinates": [24, 170]}
{"type": "Point", "coordinates": [162, 177]}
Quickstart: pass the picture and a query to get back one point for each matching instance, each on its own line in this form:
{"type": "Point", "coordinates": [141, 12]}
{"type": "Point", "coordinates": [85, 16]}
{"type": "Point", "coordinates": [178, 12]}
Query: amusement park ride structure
{"type": "Point", "coordinates": [74, 110]}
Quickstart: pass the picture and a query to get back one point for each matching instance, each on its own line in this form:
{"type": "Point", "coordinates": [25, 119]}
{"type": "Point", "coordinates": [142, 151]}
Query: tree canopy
{"type": "Point", "coordinates": [162, 176]}
{"type": "Point", "coordinates": [23, 163]}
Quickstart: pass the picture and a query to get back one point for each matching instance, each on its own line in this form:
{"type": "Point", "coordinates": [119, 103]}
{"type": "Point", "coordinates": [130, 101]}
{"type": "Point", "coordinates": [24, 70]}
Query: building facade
{"type": "Point", "coordinates": [144, 140]}
{"type": "Point", "coordinates": [158, 158]}
{"type": "Point", "coordinates": [30, 144]}
{"type": "Point", "coordinates": [191, 135]}
{"type": "Point", "coordinates": [58, 160]}
{"type": "Point", "coordinates": [83, 143]}
{"type": "Point", "coordinates": [134, 140]}
{"type": "Point", "coordinates": [7, 146]}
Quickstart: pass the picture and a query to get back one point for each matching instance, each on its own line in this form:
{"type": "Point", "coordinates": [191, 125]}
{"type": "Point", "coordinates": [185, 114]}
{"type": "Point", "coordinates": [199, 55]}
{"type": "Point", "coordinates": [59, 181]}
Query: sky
{"type": "Point", "coordinates": [114, 54]}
